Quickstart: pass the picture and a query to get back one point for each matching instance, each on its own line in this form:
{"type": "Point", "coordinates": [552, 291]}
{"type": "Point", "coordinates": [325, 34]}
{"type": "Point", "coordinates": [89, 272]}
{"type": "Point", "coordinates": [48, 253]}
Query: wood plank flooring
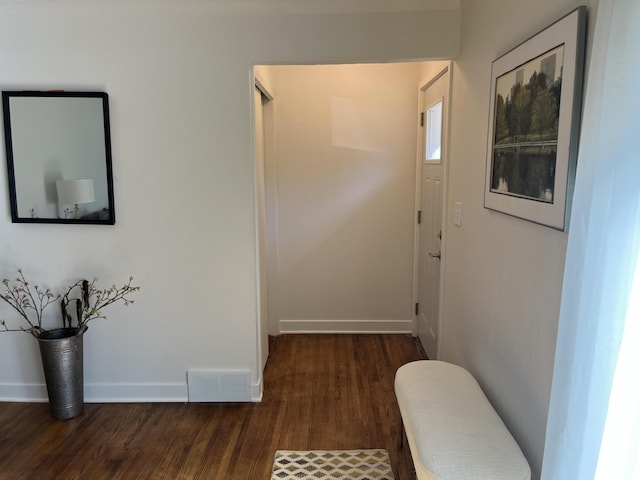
{"type": "Point", "coordinates": [321, 392]}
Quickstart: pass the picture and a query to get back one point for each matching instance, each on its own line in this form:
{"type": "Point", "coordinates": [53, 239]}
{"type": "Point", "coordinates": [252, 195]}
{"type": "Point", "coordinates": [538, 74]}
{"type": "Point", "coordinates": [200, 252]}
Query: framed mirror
{"type": "Point", "coordinates": [58, 148]}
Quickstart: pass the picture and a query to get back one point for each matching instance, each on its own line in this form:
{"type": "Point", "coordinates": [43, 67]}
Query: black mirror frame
{"type": "Point", "coordinates": [6, 95]}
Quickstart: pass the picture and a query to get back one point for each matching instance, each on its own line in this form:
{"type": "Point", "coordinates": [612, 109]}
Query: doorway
{"type": "Point", "coordinates": [342, 210]}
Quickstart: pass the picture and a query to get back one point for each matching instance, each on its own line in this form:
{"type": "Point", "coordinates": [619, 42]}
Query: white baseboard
{"type": "Point", "coordinates": [114, 393]}
{"type": "Point", "coordinates": [135, 392]}
{"type": "Point", "coordinates": [346, 326]}
{"type": "Point", "coordinates": [101, 392]}
{"type": "Point", "coordinates": [17, 392]}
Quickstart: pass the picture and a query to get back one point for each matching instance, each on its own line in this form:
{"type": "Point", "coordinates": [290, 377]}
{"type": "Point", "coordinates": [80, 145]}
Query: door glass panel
{"type": "Point", "coordinates": [433, 147]}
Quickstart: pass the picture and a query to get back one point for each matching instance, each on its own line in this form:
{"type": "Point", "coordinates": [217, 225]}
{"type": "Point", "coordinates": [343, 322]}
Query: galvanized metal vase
{"type": "Point", "coordinates": [62, 360]}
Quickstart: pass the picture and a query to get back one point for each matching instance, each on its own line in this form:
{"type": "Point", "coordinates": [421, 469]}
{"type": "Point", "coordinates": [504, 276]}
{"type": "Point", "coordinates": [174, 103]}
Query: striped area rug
{"type": "Point", "coordinates": [332, 464]}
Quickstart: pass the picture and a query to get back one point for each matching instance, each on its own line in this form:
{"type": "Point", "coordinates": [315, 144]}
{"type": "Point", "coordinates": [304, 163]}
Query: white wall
{"type": "Point", "coordinates": [345, 169]}
{"type": "Point", "coordinates": [179, 79]}
{"type": "Point", "coordinates": [504, 275]}
{"type": "Point", "coordinates": [428, 70]}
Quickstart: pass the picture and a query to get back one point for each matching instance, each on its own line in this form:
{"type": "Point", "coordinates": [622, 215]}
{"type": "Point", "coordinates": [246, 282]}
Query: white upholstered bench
{"type": "Point", "coordinates": [453, 431]}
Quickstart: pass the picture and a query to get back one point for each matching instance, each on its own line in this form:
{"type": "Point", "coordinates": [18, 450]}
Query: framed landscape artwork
{"type": "Point", "coordinates": [536, 96]}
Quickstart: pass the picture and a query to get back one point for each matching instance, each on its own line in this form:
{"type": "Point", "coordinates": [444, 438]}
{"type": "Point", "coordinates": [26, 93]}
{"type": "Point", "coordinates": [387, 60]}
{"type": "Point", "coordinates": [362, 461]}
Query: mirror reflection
{"type": "Point", "coordinates": [58, 157]}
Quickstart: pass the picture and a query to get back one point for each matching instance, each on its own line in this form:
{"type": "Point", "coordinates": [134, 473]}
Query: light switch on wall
{"type": "Point", "coordinates": [457, 214]}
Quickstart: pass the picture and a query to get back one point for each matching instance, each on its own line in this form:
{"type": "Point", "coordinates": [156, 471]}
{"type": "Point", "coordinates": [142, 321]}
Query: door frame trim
{"type": "Point", "coordinates": [423, 85]}
{"type": "Point", "coordinates": [258, 83]}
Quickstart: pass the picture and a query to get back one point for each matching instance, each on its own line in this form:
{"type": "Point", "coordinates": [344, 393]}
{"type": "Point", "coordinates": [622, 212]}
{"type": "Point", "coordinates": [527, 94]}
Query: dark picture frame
{"type": "Point", "coordinates": [534, 123]}
{"type": "Point", "coordinates": [58, 153]}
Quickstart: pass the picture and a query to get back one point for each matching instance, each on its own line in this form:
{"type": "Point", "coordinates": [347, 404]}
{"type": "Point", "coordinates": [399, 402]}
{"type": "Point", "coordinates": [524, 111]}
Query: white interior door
{"type": "Point", "coordinates": [434, 119]}
{"type": "Point", "coordinates": [262, 222]}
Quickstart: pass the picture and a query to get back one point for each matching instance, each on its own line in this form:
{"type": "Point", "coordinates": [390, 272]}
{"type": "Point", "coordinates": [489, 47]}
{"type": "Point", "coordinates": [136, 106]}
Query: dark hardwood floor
{"type": "Point", "coordinates": [328, 392]}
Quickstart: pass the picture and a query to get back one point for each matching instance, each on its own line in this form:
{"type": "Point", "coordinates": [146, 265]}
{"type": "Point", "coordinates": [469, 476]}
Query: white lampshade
{"type": "Point", "coordinates": [75, 191]}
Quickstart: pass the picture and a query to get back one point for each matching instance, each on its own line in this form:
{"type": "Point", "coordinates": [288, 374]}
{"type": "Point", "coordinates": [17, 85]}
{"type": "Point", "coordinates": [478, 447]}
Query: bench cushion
{"type": "Point", "coordinates": [453, 431]}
